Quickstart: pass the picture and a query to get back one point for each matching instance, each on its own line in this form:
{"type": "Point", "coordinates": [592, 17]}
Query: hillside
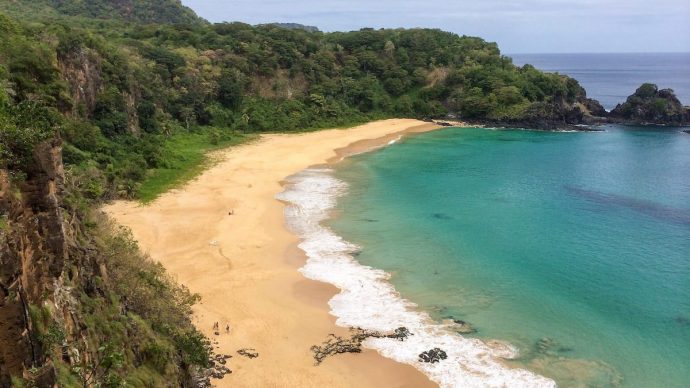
{"type": "Point", "coordinates": [122, 91]}
{"type": "Point", "coordinates": [140, 11]}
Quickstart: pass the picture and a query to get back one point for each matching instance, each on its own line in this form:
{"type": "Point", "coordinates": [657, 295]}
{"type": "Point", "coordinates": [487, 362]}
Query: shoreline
{"type": "Point", "coordinates": [245, 265]}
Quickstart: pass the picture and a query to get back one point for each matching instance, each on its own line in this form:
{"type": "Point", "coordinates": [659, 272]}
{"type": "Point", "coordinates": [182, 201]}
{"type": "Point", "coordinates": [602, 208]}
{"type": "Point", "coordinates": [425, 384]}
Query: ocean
{"type": "Point", "coordinates": [568, 253]}
{"type": "Point", "coordinates": [611, 78]}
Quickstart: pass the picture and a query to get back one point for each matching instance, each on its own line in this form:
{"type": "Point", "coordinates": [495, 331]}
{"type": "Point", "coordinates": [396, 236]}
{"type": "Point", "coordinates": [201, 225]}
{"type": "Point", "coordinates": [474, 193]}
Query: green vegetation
{"type": "Point", "coordinates": [649, 104]}
{"type": "Point", "coordinates": [135, 318]}
{"type": "Point", "coordinates": [156, 321]}
{"type": "Point", "coordinates": [188, 155]}
{"type": "Point", "coordinates": [143, 11]}
{"type": "Point", "coordinates": [131, 96]}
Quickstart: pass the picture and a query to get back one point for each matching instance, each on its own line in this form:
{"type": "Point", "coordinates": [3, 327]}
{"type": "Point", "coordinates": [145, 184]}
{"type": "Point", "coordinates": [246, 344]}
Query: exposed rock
{"type": "Point", "coordinates": [594, 108]}
{"type": "Point", "coordinates": [650, 105]}
{"type": "Point", "coordinates": [81, 68]}
{"type": "Point", "coordinates": [33, 262]}
{"type": "Point", "coordinates": [248, 352]}
{"type": "Point", "coordinates": [433, 356]}
{"type": "Point", "coordinates": [338, 345]}
{"type": "Point", "coordinates": [217, 370]}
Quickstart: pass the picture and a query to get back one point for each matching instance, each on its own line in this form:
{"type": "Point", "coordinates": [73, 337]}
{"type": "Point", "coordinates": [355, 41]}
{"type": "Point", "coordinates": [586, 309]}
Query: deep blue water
{"type": "Point", "coordinates": [575, 247]}
{"type": "Point", "coordinates": [611, 78]}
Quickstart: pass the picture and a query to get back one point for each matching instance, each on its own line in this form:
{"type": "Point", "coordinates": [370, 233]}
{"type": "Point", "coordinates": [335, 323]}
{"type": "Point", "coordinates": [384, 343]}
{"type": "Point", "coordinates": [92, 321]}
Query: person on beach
{"type": "Point", "coordinates": [227, 328]}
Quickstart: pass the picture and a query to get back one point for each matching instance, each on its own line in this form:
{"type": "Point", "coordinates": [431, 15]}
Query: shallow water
{"type": "Point", "coordinates": [572, 247]}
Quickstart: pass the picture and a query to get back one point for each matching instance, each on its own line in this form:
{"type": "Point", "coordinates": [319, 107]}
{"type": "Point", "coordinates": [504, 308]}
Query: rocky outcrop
{"type": "Point", "coordinates": [548, 116]}
{"type": "Point", "coordinates": [651, 105]}
{"type": "Point", "coordinates": [594, 108]}
{"type": "Point", "coordinates": [37, 312]}
{"type": "Point", "coordinates": [81, 69]}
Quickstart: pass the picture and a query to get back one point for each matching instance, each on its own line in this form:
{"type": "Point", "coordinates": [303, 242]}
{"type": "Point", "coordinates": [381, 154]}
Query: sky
{"type": "Point", "coordinates": [518, 26]}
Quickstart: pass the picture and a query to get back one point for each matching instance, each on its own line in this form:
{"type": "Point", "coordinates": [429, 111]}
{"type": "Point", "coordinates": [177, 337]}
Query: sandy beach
{"type": "Point", "coordinates": [244, 265]}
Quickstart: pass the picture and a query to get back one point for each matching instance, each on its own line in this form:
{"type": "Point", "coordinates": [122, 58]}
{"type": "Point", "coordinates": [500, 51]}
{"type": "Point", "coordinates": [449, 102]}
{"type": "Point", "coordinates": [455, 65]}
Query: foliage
{"type": "Point", "coordinates": [144, 11]}
{"type": "Point", "coordinates": [649, 104]}
{"type": "Point", "coordinates": [23, 126]}
{"type": "Point", "coordinates": [137, 94]}
{"type": "Point", "coordinates": [136, 318]}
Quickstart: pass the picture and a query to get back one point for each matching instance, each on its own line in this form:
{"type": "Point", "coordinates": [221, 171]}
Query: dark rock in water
{"type": "Point", "coordinates": [545, 344]}
{"type": "Point", "coordinates": [438, 310]}
{"type": "Point", "coordinates": [400, 334]}
{"type": "Point", "coordinates": [464, 327]}
{"type": "Point", "coordinates": [461, 327]}
{"type": "Point", "coordinates": [682, 320]}
{"type": "Point", "coordinates": [650, 105]}
{"type": "Point", "coordinates": [248, 352]}
{"type": "Point", "coordinates": [549, 346]}
{"type": "Point", "coordinates": [433, 356]}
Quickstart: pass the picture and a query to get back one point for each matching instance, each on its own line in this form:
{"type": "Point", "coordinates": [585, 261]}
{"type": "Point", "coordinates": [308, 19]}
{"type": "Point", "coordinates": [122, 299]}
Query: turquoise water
{"type": "Point", "coordinates": [575, 247]}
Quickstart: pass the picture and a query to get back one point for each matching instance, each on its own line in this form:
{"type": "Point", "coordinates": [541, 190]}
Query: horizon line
{"type": "Point", "coordinates": [597, 52]}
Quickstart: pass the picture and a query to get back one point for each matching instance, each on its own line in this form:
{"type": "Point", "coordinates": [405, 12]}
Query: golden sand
{"type": "Point", "coordinates": [244, 265]}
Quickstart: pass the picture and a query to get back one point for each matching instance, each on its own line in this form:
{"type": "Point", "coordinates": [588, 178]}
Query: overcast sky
{"type": "Point", "coordinates": [519, 26]}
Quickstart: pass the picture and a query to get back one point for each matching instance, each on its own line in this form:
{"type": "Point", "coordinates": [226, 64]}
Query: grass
{"type": "Point", "coordinates": [186, 156]}
{"type": "Point", "coordinates": [3, 223]}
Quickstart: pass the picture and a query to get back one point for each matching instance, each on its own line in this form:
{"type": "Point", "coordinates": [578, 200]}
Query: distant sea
{"type": "Point", "coordinates": [611, 78]}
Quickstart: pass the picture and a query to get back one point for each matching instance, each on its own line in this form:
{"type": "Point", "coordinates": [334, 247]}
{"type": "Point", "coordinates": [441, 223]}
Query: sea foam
{"type": "Point", "coordinates": [369, 301]}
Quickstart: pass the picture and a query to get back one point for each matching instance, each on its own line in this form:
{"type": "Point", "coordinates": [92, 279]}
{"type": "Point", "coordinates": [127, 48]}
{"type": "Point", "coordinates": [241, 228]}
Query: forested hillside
{"type": "Point", "coordinates": [141, 11]}
{"type": "Point", "coordinates": [122, 94]}
{"type": "Point", "coordinates": [130, 94]}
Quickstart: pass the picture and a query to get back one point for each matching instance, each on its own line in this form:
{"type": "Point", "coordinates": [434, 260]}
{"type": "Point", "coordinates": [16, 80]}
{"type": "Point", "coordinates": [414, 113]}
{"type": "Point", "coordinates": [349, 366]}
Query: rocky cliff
{"type": "Point", "coordinates": [36, 270]}
{"type": "Point", "coordinates": [73, 307]}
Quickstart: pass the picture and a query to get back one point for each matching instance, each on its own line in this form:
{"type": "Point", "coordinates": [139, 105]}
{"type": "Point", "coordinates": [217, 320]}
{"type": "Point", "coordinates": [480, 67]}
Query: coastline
{"type": "Point", "coordinates": [245, 265]}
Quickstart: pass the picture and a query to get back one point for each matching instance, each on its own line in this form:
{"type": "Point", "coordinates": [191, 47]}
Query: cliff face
{"type": "Point", "coordinates": [79, 304]}
{"type": "Point", "coordinates": [650, 105]}
{"type": "Point", "coordinates": [81, 69]}
{"type": "Point", "coordinates": [34, 258]}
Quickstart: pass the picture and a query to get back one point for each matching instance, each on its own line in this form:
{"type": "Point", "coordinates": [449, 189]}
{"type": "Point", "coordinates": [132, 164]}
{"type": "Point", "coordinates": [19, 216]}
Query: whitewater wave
{"type": "Point", "coordinates": [369, 301]}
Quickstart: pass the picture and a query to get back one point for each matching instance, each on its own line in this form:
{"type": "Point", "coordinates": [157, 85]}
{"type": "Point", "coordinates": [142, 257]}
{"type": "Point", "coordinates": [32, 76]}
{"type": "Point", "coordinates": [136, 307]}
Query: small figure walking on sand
{"type": "Point", "coordinates": [215, 326]}
{"type": "Point", "coordinates": [227, 328]}
{"type": "Point", "coordinates": [231, 212]}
